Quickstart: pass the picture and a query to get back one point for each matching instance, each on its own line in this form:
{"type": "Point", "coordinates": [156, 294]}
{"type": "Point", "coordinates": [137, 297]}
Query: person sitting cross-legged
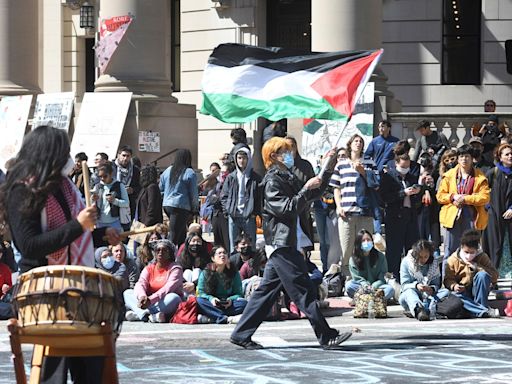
{"type": "Point", "coordinates": [420, 278]}
{"type": "Point", "coordinates": [470, 274]}
{"type": "Point", "coordinates": [367, 266]}
{"type": "Point", "coordinates": [219, 290]}
{"type": "Point", "coordinates": [159, 291]}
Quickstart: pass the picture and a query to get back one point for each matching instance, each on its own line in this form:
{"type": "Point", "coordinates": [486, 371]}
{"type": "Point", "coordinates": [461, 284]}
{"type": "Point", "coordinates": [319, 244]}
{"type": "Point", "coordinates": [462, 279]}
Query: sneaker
{"type": "Point", "coordinates": [202, 319]}
{"type": "Point", "coordinates": [246, 344]}
{"type": "Point", "coordinates": [335, 342]}
{"type": "Point", "coordinates": [158, 317]}
{"type": "Point", "coordinates": [234, 319]}
{"type": "Point", "coordinates": [131, 316]}
{"type": "Point", "coordinates": [421, 314]}
{"type": "Point", "coordinates": [493, 313]}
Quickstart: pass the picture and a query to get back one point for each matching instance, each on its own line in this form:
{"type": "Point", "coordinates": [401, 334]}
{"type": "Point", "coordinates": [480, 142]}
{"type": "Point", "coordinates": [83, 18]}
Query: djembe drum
{"type": "Point", "coordinates": [67, 311]}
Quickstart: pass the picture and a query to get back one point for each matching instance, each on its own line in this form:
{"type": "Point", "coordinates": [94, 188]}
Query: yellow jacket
{"type": "Point", "coordinates": [478, 199]}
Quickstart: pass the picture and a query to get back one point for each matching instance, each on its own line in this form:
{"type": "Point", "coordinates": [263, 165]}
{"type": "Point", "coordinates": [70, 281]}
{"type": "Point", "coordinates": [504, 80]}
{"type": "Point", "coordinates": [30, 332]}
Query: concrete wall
{"type": "Point", "coordinates": [412, 33]}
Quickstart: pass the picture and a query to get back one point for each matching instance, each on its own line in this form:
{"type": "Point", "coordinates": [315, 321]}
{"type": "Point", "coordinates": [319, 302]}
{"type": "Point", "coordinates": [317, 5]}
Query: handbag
{"type": "Point", "coordinates": [335, 284]}
{"type": "Point", "coordinates": [451, 307]}
{"type": "Point", "coordinates": [362, 299]}
{"type": "Point", "coordinates": [187, 312]}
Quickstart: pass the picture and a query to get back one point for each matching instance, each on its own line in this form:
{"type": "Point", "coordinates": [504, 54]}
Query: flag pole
{"type": "Point", "coordinates": [360, 91]}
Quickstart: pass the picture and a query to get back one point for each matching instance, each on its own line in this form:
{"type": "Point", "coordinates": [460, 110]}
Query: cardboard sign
{"type": "Point", "coordinates": [54, 109]}
{"type": "Point", "coordinates": [149, 141]}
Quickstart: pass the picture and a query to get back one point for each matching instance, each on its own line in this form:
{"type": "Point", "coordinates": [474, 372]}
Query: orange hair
{"type": "Point", "coordinates": [273, 145]}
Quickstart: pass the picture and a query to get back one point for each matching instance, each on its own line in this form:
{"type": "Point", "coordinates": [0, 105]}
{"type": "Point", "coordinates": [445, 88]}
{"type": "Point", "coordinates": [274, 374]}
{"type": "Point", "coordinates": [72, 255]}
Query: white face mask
{"type": "Point", "coordinates": [68, 167]}
{"type": "Point", "coordinates": [108, 262]}
{"type": "Point", "coordinates": [403, 171]}
{"type": "Point", "coordinates": [468, 257]}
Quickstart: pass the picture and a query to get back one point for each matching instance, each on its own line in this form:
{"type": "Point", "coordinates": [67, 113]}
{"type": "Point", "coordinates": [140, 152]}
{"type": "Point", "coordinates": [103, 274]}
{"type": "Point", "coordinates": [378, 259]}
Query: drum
{"type": "Point", "coordinates": [67, 299]}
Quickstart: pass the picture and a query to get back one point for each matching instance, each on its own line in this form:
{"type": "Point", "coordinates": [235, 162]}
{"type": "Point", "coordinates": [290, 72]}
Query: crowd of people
{"type": "Point", "coordinates": [382, 213]}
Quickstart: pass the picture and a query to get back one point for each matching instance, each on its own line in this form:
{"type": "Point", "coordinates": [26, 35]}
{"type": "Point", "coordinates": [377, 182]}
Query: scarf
{"type": "Point", "coordinates": [124, 175]}
{"type": "Point", "coordinates": [506, 170]}
{"type": "Point", "coordinates": [433, 270]}
{"type": "Point", "coordinates": [465, 187]}
{"type": "Point", "coordinates": [81, 250]}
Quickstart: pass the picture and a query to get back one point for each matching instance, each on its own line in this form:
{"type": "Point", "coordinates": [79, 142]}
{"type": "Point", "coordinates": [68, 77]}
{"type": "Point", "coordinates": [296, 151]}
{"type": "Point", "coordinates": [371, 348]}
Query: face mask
{"type": "Point", "coordinates": [108, 262]}
{"type": "Point", "coordinates": [450, 165]}
{"type": "Point", "coordinates": [245, 250]}
{"type": "Point", "coordinates": [193, 248]}
{"type": "Point", "coordinates": [467, 257]}
{"type": "Point", "coordinates": [288, 160]}
{"type": "Point", "coordinates": [403, 171]}
{"type": "Point", "coordinates": [366, 246]}
{"type": "Point", "coordinates": [68, 167]}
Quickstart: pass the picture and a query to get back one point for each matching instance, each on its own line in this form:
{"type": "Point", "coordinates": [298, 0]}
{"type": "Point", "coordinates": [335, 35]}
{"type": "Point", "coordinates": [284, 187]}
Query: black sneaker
{"type": "Point", "coordinates": [246, 344]}
{"type": "Point", "coordinates": [335, 342]}
{"type": "Point", "coordinates": [422, 315]}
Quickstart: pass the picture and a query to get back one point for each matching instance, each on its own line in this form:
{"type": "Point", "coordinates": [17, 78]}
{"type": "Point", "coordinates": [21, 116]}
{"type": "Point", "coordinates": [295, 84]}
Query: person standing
{"type": "Point", "coordinates": [50, 225]}
{"type": "Point", "coordinates": [178, 183]}
{"type": "Point", "coordinates": [128, 174]}
{"type": "Point", "coordinates": [435, 140]}
{"type": "Point", "coordinates": [77, 175]}
{"type": "Point", "coordinates": [149, 202]}
{"type": "Point", "coordinates": [286, 267]}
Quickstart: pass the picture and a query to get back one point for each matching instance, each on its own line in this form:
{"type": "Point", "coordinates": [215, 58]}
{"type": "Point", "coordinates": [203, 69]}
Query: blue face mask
{"type": "Point", "coordinates": [288, 160]}
{"type": "Point", "coordinates": [108, 262]}
{"type": "Point", "coordinates": [366, 246]}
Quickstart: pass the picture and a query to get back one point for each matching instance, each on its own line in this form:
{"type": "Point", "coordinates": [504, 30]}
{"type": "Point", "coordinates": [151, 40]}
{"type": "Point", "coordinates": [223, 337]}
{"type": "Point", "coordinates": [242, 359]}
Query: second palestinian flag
{"type": "Point", "coordinates": [242, 83]}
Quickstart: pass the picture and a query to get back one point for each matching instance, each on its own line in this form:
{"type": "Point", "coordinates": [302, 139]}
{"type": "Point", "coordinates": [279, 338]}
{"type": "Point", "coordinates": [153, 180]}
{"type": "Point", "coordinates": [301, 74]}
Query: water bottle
{"type": "Point", "coordinates": [432, 309]}
{"type": "Point", "coordinates": [371, 310]}
{"type": "Point", "coordinates": [426, 304]}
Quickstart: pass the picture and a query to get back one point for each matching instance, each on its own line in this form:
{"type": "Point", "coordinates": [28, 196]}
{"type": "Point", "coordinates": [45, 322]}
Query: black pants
{"type": "Point", "coordinates": [84, 370]}
{"type": "Point", "coordinates": [178, 222]}
{"type": "Point", "coordinates": [220, 230]}
{"type": "Point", "coordinates": [286, 269]}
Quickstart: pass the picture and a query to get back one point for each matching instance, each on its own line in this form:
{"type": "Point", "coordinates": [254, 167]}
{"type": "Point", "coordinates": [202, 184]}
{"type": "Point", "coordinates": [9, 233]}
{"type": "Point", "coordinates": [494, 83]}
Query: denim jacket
{"type": "Point", "coordinates": [366, 193]}
{"type": "Point", "coordinates": [183, 194]}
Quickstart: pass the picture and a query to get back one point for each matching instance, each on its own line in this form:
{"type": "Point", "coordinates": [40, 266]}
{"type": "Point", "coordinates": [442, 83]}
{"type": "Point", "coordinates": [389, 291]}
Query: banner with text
{"type": "Point", "coordinates": [54, 109]}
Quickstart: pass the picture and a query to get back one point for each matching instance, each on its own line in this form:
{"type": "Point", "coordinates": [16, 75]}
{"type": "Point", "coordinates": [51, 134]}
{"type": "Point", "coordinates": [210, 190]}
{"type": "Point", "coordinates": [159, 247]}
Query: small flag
{"type": "Point", "coordinates": [111, 33]}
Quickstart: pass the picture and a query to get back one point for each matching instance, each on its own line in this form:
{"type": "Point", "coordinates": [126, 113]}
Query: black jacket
{"type": "Point", "coordinates": [392, 192]}
{"type": "Point", "coordinates": [284, 200]}
{"type": "Point", "coordinates": [229, 196]}
{"type": "Point", "coordinates": [149, 205]}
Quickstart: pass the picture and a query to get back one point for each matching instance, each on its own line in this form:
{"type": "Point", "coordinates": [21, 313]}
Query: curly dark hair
{"type": "Point", "coordinates": [37, 167]}
{"type": "Point", "coordinates": [148, 176]}
{"type": "Point", "coordinates": [212, 276]}
{"type": "Point", "coordinates": [349, 143]}
{"type": "Point", "coordinates": [358, 255]}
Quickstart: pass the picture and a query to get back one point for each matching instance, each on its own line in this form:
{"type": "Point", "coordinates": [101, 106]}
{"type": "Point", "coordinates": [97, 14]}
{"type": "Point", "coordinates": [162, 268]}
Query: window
{"type": "Point", "coordinates": [175, 45]}
{"type": "Point", "coordinates": [461, 41]}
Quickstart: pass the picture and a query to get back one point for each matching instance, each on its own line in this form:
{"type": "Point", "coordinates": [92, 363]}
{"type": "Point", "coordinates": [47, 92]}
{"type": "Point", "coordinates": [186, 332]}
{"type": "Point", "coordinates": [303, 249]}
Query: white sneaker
{"type": "Point", "coordinates": [158, 317]}
{"type": "Point", "coordinates": [234, 319]}
{"type": "Point", "coordinates": [493, 313]}
{"type": "Point", "coordinates": [202, 319]}
{"type": "Point", "coordinates": [131, 316]}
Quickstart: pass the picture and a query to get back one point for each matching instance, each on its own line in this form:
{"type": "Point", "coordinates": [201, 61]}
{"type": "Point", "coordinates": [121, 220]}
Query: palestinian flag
{"type": "Point", "coordinates": [243, 82]}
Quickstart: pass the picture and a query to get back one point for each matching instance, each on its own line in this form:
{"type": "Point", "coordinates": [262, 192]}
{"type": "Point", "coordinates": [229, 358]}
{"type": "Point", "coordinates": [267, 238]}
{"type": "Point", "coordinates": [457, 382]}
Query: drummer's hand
{"type": "Point", "coordinates": [112, 236]}
{"type": "Point", "coordinates": [87, 217]}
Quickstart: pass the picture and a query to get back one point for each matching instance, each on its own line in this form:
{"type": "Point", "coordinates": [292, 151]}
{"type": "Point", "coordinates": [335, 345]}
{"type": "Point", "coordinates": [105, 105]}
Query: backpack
{"type": "Point", "coordinates": [452, 307]}
{"type": "Point", "coordinates": [335, 284]}
{"type": "Point", "coordinates": [187, 312]}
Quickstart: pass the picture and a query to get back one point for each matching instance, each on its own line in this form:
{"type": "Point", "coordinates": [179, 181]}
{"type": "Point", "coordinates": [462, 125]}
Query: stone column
{"type": "Point", "coordinates": [339, 25]}
{"type": "Point", "coordinates": [19, 47]}
{"type": "Point", "coordinates": [141, 63]}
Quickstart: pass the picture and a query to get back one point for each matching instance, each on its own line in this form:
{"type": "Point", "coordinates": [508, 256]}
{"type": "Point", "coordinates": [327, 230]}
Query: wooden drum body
{"type": "Point", "coordinates": [67, 300]}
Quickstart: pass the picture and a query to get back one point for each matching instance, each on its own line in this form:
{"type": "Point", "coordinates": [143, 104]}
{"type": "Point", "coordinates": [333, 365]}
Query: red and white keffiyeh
{"type": "Point", "coordinates": [81, 251]}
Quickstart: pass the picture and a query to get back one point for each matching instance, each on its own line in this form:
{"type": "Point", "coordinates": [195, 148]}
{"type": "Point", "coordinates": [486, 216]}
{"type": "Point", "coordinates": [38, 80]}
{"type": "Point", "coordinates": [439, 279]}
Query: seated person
{"type": "Point", "coordinates": [470, 274]}
{"type": "Point", "coordinates": [243, 251]}
{"type": "Point", "coordinates": [104, 260]}
{"type": "Point", "coordinates": [367, 266]}
{"type": "Point", "coordinates": [195, 228]}
{"type": "Point", "coordinates": [144, 252]}
{"type": "Point", "coordinates": [254, 266]}
{"type": "Point", "coordinates": [193, 260]}
{"type": "Point", "coordinates": [219, 290]}
{"type": "Point", "coordinates": [120, 254]}
{"type": "Point", "coordinates": [6, 311]}
{"type": "Point", "coordinates": [159, 291]}
{"type": "Point", "coordinates": [421, 278]}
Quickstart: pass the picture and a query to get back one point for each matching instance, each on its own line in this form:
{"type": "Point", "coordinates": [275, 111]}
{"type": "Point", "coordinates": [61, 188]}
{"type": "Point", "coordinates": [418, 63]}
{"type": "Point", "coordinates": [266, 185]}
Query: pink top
{"type": "Point", "coordinates": [172, 282]}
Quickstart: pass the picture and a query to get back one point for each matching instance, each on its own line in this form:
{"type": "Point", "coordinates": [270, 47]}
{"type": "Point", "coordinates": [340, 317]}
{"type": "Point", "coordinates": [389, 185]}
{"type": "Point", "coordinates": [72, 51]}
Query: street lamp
{"type": "Point", "coordinates": [87, 16]}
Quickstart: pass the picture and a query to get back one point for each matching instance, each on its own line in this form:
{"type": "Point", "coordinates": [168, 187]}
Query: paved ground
{"type": "Point", "coordinates": [393, 350]}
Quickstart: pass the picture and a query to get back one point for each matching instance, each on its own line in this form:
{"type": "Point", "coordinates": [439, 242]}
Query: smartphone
{"type": "Point", "coordinates": [416, 186]}
{"type": "Point", "coordinates": [223, 302]}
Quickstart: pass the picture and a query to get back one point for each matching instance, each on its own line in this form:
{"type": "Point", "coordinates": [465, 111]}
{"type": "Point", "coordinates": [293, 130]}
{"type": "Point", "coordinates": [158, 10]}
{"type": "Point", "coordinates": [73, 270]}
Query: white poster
{"type": "Point", "coordinates": [149, 141]}
{"type": "Point", "coordinates": [100, 123]}
{"type": "Point", "coordinates": [14, 112]}
{"type": "Point", "coordinates": [319, 136]}
{"type": "Point", "coordinates": [54, 109]}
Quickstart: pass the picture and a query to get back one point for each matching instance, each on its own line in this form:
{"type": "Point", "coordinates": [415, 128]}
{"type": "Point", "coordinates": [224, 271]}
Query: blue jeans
{"type": "Point", "coordinates": [167, 305]}
{"type": "Point", "coordinates": [220, 315]}
{"type": "Point", "coordinates": [476, 301]}
{"type": "Point", "coordinates": [321, 217]}
{"type": "Point", "coordinates": [411, 298]}
{"type": "Point", "coordinates": [453, 235]}
{"type": "Point", "coordinates": [238, 224]}
{"type": "Point", "coordinates": [352, 287]}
